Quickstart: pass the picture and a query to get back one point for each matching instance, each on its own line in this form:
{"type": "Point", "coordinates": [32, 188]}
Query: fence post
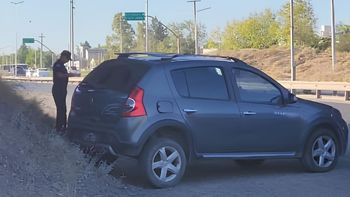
{"type": "Point", "coordinates": [318, 94]}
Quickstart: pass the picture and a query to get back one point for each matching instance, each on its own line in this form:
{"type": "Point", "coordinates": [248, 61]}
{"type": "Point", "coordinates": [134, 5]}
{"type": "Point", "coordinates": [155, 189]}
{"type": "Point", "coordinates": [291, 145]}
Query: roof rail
{"type": "Point", "coordinates": [170, 56]}
{"type": "Point", "coordinates": [224, 57]}
{"type": "Point", "coordinates": [160, 55]}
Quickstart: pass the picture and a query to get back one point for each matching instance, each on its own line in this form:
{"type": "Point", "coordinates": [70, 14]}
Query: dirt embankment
{"type": "Point", "coordinates": [34, 161]}
{"type": "Point", "coordinates": [311, 66]}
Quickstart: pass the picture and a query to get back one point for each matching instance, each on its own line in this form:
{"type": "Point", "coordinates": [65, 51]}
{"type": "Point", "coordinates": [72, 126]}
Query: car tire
{"type": "Point", "coordinates": [249, 162]}
{"type": "Point", "coordinates": [164, 162]}
{"type": "Point", "coordinates": [321, 151]}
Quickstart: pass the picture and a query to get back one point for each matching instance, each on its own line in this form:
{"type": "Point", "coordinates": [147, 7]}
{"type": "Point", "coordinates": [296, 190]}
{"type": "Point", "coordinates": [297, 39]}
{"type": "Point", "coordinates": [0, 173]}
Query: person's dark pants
{"type": "Point", "coordinates": [59, 95]}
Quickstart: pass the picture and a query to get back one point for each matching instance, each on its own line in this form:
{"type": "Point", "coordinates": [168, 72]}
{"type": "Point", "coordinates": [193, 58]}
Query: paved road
{"type": "Point", "coordinates": [225, 178]}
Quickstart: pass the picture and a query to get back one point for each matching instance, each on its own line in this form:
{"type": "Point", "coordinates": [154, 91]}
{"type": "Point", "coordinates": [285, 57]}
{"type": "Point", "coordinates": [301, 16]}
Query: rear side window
{"type": "Point", "coordinates": [116, 75]}
{"type": "Point", "coordinates": [207, 83]}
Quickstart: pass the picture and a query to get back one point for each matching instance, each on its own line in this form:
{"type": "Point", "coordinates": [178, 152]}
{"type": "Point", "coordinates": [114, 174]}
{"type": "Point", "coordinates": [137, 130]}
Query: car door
{"type": "Point", "coordinates": [267, 125]}
{"type": "Point", "coordinates": [207, 107]}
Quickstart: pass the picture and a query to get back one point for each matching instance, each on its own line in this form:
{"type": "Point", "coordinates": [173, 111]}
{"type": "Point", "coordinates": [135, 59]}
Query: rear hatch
{"type": "Point", "coordinates": [101, 98]}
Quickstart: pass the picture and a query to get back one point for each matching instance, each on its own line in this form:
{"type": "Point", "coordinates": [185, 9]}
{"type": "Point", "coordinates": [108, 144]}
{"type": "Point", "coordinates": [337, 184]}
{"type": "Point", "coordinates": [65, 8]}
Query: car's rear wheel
{"type": "Point", "coordinates": [164, 162]}
{"type": "Point", "coordinates": [321, 151]}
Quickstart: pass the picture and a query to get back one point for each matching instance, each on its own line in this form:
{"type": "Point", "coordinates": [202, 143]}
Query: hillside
{"type": "Point", "coordinates": [311, 66]}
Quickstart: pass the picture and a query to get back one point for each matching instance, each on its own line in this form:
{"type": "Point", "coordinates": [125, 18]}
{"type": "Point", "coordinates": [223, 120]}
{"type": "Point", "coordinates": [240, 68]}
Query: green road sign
{"type": "Point", "coordinates": [134, 16]}
{"type": "Point", "coordinates": [28, 40]}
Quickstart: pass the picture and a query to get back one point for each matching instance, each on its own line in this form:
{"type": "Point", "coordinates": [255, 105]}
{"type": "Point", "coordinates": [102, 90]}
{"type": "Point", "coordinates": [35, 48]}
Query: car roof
{"type": "Point", "coordinates": [171, 57]}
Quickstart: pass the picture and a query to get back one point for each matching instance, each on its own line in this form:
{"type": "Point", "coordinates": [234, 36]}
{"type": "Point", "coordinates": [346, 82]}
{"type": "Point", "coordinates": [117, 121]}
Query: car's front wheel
{"type": "Point", "coordinates": [164, 162]}
{"type": "Point", "coordinates": [321, 151]}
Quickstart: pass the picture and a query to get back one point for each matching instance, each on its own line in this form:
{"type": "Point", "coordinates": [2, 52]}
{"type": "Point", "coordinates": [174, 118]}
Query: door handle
{"type": "Point", "coordinates": [190, 111]}
{"type": "Point", "coordinates": [249, 113]}
{"type": "Point", "coordinates": [91, 90]}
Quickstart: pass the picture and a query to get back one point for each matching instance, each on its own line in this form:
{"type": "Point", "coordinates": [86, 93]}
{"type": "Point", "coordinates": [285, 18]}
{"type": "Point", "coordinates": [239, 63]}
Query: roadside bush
{"type": "Point", "coordinates": [321, 44]}
{"type": "Point", "coordinates": [344, 43]}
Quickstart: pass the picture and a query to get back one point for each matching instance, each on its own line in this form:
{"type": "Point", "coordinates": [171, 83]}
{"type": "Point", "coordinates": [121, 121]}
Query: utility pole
{"type": "Point", "coordinates": [146, 33]}
{"type": "Point", "coordinates": [35, 58]}
{"type": "Point", "coordinates": [195, 25]}
{"type": "Point", "coordinates": [121, 34]}
{"type": "Point", "coordinates": [16, 3]}
{"type": "Point", "coordinates": [333, 35]}
{"type": "Point", "coordinates": [292, 65]}
{"type": "Point", "coordinates": [71, 31]}
{"type": "Point", "coordinates": [41, 50]}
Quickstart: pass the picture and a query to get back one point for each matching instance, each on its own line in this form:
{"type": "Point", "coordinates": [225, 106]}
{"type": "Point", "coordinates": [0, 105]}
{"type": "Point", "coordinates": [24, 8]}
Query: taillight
{"type": "Point", "coordinates": [134, 104]}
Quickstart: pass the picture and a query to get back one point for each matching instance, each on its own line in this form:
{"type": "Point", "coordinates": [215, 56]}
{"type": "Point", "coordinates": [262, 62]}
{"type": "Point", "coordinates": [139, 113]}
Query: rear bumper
{"type": "Point", "coordinates": [101, 141]}
{"type": "Point", "coordinates": [118, 138]}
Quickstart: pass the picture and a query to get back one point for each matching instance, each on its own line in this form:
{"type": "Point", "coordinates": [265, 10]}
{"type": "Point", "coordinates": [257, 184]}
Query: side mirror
{"type": "Point", "coordinates": [292, 98]}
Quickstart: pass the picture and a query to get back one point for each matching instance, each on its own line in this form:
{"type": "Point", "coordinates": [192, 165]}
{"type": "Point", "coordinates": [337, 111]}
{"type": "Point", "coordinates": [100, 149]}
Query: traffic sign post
{"type": "Point", "coordinates": [28, 40]}
{"type": "Point", "coordinates": [134, 16]}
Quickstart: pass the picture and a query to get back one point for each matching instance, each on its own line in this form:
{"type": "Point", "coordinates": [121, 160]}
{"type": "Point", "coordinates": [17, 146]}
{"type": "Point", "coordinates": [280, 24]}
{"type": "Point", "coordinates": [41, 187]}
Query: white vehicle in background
{"type": "Point", "coordinates": [41, 72]}
{"type": "Point", "coordinates": [30, 72]}
{"type": "Point", "coordinates": [73, 72]}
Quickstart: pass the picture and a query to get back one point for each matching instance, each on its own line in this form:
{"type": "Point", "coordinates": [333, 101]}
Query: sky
{"type": "Point", "coordinates": [93, 18]}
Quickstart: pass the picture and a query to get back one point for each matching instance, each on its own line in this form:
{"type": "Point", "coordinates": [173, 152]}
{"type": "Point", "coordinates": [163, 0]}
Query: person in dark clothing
{"type": "Point", "coordinates": [59, 89]}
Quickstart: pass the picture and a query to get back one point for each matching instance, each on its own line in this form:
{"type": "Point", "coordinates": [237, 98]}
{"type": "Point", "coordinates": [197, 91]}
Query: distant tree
{"type": "Point", "coordinates": [140, 37]}
{"type": "Point", "coordinates": [161, 40]}
{"type": "Point", "coordinates": [186, 32]}
{"type": "Point", "coordinates": [257, 31]}
{"type": "Point", "coordinates": [123, 34]}
{"type": "Point", "coordinates": [304, 23]}
{"type": "Point", "coordinates": [22, 54]}
{"type": "Point", "coordinates": [30, 58]}
{"type": "Point", "coordinates": [157, 35]}
{"type": "Point", "coordinates": [344, 43]}
{"type": "Point", "coordinates": [158, 31]}
{"type": "Point", "coordinates": [215, 39]}
{"type": "Point", "coordinates": [48, 59]}
{"type": "Point", "coordinates": [343, 29]}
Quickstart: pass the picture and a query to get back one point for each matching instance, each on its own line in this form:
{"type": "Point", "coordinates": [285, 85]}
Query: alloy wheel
{"type": "Point", "coordinates": [166, 163]}
{"type": "Point", "coordinates": [323, 151]}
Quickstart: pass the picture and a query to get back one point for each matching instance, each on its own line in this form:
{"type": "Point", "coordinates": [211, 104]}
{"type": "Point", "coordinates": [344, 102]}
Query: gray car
{"type": "Point", "coordinates": [168, 110]}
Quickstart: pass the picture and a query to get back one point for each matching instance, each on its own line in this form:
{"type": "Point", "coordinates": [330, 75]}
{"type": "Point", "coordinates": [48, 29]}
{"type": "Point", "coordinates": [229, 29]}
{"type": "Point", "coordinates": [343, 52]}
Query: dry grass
{"type": "Point", "coordinates": [311, 66]}
{"type": "Point", "coordinates": [34, 161]}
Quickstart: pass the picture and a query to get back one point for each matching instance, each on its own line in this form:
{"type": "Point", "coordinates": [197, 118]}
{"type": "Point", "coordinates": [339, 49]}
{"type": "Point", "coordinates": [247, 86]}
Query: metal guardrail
{"type": "Point", "coordinates": [292, 85]}
{"type": "Point", "coordinates": [318, 87]}
{"type": "Point", "coordinates": [73, 80]}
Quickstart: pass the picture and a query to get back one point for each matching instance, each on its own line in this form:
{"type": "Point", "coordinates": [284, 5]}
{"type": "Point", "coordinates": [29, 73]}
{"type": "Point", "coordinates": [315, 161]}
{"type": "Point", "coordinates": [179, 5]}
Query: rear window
{"type": "Point", "coordinates": [116, 75]}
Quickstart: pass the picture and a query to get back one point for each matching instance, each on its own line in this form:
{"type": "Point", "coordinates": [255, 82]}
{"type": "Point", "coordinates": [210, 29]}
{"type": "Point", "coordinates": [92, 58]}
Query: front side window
{"type": "Point", "coordinates": [207, 83]}
{"type": "Point", "coordinates": [256, 89]}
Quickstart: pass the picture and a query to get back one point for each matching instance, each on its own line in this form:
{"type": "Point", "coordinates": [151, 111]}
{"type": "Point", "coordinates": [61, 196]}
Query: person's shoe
{"type": "Point", "coordinates": [61, 131]}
